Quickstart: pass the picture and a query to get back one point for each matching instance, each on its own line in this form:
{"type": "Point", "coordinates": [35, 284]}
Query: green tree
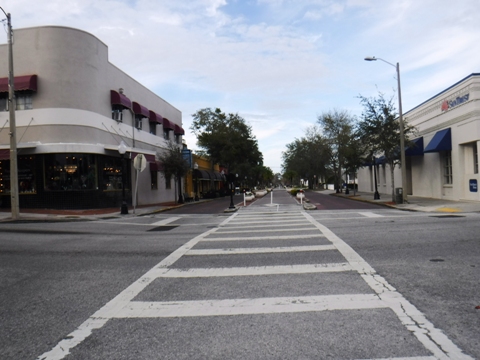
{"type": "Point", "coordinates": [228, 140]}
{"type": "Point", "coordinates": [307, 157]}
{"type": "Point", "coordinates": [337, 127]}
{"type": "Point", "coordinates": [379, 130]}
{"type": "Point", "coordinates": [173, 165]}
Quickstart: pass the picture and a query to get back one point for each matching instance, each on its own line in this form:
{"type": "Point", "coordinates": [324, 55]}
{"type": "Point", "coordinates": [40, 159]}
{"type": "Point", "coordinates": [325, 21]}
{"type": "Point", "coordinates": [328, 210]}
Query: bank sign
{"type": "Point", "coordinates": [448, 104]}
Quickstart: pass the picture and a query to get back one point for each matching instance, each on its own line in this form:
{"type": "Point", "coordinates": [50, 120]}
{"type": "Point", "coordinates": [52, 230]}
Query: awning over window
{"type": "Point", "coordinates": [441, 141]}
{"type": "Point", "coordinates": [140, 110]}
{"type": "Point", "coordinates": [155, 118]}
{"type": "Point", "coordinates": [178, 130]}
{"type": "Point", "coordinates": [167, 125]}
{"type": "Point", "coordinates": [156, 166]}
{"type": "Point", "coordinates": [21, 83]}
{"type": "Point", "coordinates": [120, 99]}
{"type": "Point", "coordinates": [201, 174]}
{"type": "Point", "coordinates": [416, 149]}
{"type": "Point", "coordinates": [380, 160]}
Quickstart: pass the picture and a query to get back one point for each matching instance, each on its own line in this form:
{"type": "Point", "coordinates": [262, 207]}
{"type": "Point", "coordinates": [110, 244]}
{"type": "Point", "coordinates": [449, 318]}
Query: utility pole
{"type": "Point", "coordinates": [14, 200]}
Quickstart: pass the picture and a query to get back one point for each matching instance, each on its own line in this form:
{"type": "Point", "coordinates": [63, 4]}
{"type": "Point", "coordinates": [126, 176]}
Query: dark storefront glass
{"type": "Point", "coordinates": [26, 175]}
{"type": "Point", "coordinates": [70, 172]}
{"type": "Point", "coordinates": [111, 175]}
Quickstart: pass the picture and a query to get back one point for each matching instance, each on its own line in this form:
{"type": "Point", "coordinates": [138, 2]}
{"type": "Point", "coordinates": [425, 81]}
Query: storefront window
{"type": "Point", "coordinates": [26, 175]}
{"type": "Point", "coordinates": [447, 165]}
{"type": "Point", "coordinates": [112, 174]}
{"type": "Point", "coordinates": [70, 172]}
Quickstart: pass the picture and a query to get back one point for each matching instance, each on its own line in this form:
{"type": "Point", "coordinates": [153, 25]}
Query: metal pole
{"type": "Point", "coordinates": [402, 139]}
{"type": "Point", "coordinates": [376, 195]}
{"type": "Point", "coordinates": [124, 207]}
{"type": "Point", "coordinates": [14, 200]}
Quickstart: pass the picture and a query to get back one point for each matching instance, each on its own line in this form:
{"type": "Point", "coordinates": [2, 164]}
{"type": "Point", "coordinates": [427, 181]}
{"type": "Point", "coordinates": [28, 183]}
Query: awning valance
{"type": "Point", "coordinates": [120, 99]}
{"type": "Point", "coordinates": [156, 166]}
{"type": "Point", "coordinates": [167, 125]}
{"type": "Point", "coordinates": [416, 149]}
{"type": "Point", "coordinates": [20, 83]}
{"type": "Point", "coordinates": [4, 154]}
{"type": "Point", "coordinates": [140, 110]}
{"type": "Point", "coordinates": [380, 160]}
{"type": "Point", "coordinates": [178, 130]}
{"type": "Point", "coordinates": [201, 174]}
{"type": "Point", "coordinates": [441, 141]}
{"type": "Point", "coordinates": [155, 118]}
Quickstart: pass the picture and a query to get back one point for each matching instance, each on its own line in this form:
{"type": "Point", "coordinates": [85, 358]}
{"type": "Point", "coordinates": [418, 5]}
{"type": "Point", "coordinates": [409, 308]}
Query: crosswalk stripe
{"type": "Point", "coordinates": [251, 270]}
{"type": "Point", "coordinates": [264, 250]}
{"type": "Point", "coordinates": [267, 230]}
{"type": "Point", "coordinates": [370, 214]}
{"type": "Point", "coordinates": [276, 305]}
{"type": "Point", "coordinates": [279, 237]}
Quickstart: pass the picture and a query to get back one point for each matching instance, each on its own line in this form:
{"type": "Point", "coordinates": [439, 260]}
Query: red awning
{"type": "Point", "coordinates": [21, 83]}
{"type": "Point", "coordinates": [120, 99]}
{"type": "Point", "coordinates": [168, 125]}
{"type": "Point", "coordinates": [140, 110]}
{"type": "Point", "coordinates": [178, 130]}
{"type": "Point", "coordinates": [155, 118]}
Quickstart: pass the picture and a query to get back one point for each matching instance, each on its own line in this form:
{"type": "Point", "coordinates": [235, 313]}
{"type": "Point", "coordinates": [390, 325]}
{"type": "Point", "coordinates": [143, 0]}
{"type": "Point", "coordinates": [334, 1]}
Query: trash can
{"type": "Point", "coordinates": [399, 195]}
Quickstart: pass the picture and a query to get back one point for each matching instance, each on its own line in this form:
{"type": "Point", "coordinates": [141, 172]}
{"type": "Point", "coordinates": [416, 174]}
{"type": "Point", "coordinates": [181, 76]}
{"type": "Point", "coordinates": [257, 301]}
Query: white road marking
{"type": "Point", "coordinates": [407, 358]}
{"type": "Point", "coordinates": [263, 250]}
{"type": "Point", "coordinates": [370, 214]}
{"type": "Point", "coordinates": [303, 228]}
{"type": "Point", "coordinates": [433, 339]}
{"type": "Point", "coordinates": [165, 221]}
{"type": "Point", "coordinates": [279, 237]}
{"type": "Point", "coordinates": [275, 305]}
{"type": "Point", "coordinates": [253, 270]}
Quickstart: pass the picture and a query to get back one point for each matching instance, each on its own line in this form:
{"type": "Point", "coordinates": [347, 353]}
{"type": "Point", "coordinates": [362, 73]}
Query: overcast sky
{"type": "Point", "coordinates": [277, 63]}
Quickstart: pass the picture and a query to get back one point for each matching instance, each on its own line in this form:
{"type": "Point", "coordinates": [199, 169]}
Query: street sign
{"type": "Point", "coordinates": [140, 162]}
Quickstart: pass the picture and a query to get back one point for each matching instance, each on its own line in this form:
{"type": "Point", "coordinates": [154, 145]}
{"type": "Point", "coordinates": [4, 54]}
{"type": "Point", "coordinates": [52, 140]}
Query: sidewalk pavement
{"type": "Point", "coordinates": [415, 203]}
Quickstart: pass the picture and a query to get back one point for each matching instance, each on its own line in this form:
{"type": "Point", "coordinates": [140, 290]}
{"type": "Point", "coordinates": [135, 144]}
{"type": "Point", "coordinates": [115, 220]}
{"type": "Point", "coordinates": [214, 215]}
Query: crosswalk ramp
{"type": "Point", "coordinates": [279, 278]}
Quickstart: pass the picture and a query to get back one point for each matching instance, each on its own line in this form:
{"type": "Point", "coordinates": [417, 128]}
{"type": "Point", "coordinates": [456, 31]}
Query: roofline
{"type": "Point", "coordinates": [440, 93]}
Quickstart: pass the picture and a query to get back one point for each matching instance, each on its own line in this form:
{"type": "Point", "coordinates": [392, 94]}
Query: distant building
{"type": "Point", "coordinates": [443, 164]}
{"type": "Point", "coordinates": [74, 108]}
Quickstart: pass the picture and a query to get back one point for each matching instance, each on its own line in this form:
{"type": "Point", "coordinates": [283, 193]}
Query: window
{"type": "Point", "coordinates": [138, 122]}
{"type": "Point", "coordinates": [475, 158]}
{"type": "Point", "coordinates": [166, 134]}
{"type": "Point", "coordinates": [154, 179]}
{"type": "Point", "coordinates": [177, 139]}
{"type": "Point", "coordinates": [447, 168]}
{"type": "Point", "coordinates": [153, 128]}
{"type": "Point", "coordinates": [117, 113]}
{"type": "Point", "coordinates": [70, 172]}
{"type": "Point", "coordinates": [26, 175]}
{"type": "Point", "coordinates": [24, 101]}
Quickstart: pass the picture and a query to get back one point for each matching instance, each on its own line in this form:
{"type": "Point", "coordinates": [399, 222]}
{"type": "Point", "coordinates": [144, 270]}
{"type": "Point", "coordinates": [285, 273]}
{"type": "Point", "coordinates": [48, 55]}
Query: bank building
{"type": "Point", "coordinates": [442, 162]}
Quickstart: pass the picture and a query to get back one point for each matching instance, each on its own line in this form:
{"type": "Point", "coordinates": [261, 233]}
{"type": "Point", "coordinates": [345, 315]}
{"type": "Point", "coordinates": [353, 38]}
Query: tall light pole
{"type": "Point", "coordinates": [402, 135]}
{"type": "Point", "coordinates": [14, 201]}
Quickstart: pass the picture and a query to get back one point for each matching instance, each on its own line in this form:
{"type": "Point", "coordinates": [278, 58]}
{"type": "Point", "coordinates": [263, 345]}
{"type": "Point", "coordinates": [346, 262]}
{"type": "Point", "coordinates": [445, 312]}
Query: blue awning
{"type": "Point", "coordinates": [441, 141]}
{"type": "Point", "coordinates": [380, 160]}
{"type": "Point", "coordinates": [416, 148]}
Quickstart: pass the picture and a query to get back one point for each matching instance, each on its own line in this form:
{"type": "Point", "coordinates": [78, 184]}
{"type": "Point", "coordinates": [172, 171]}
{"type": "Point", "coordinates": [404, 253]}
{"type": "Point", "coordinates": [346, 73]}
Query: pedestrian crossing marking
{"type": "Point", "coordinates": [275, 305]}
{"type": "Point", "coordinates": [370, 214]}
{"type": "Point", "coordinates": [264, 250]}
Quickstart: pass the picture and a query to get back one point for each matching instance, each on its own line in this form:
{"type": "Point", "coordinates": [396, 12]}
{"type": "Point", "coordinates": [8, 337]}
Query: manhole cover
{"type": "Point", "coordinates": [163, 228]}
{"type": "Point", "coordinates": [437, 260]}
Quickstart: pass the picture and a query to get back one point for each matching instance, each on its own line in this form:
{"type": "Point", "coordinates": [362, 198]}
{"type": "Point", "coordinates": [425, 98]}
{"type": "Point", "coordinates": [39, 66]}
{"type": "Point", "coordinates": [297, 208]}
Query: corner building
{"type": "Point", "coordinates": [443, 163]}
{"type": "Point", "coordinates": [73, 110]}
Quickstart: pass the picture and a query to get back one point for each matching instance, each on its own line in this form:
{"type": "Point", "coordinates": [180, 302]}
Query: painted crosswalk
{"type": "Point", "coordinates": [290, 226]}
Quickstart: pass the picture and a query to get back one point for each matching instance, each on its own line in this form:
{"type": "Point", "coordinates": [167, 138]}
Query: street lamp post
{"type": "Point", "coordinates": [195, 166]}
{"type": "Point", "coordinates": [376, 196]}
{"type": "Point", "coordinates": [402, 136]}
{"type": "Point", "coordinates": [122, 149]}
{"type": "Point", "coordinates": [14, 200]}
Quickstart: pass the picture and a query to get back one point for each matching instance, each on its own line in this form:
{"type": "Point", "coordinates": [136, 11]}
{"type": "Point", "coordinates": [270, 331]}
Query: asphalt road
{"type": "Point", "coordinates": [268, 282]}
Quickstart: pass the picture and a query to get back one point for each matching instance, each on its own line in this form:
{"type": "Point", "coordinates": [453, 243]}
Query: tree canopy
{"type": "Point", "coordinates": [228, 140]}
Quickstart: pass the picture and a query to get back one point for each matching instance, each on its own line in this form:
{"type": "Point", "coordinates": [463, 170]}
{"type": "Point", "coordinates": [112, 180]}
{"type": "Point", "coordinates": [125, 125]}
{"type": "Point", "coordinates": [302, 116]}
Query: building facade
{"type": "Point", "coordinates": [443, 161]}
{"type": "Point", "coordinates": [73, 110]}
